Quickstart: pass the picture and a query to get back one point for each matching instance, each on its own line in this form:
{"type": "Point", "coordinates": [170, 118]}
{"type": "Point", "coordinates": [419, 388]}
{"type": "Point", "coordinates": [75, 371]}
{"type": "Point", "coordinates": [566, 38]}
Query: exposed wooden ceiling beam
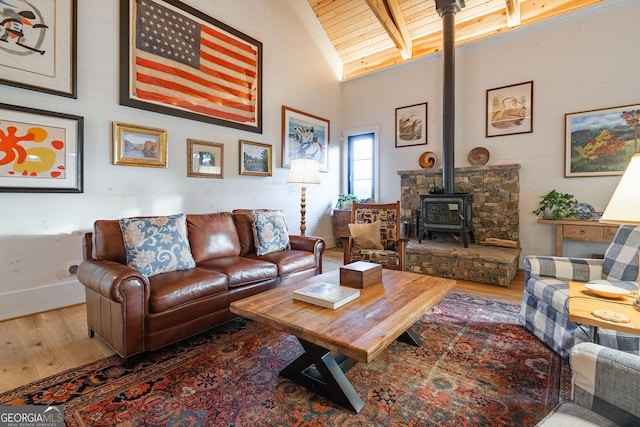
{"type": "Point", "coordinates": [393, 25]}
{"type": "Point", "coordinates": [513, 13]}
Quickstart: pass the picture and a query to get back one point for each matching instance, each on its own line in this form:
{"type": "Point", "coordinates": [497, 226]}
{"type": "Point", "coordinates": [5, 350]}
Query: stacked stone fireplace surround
{"type": "Point", "coordinates": [496, 195]}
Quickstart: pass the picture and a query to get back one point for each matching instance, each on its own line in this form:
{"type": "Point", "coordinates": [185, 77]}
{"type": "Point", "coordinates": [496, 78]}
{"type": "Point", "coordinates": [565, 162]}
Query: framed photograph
{"type": "Point", "coordinates": [209, 72]}
{"type": "Point", "coordinates": [139, 146]}
{"type": "Point", "coordinates": [205, 159]}
{"type": "Point", "coordinates": [510, 110]}
{"type": "Point", "coordinates": [601, 142]}
{"type": "Point", "coordinates": [411, 125]}
{"type": "Point", "coordinates": [38, 45]}
{"type": "Point", "coordinates": [40, 151]}
{"type": "Point", "coordinates": [304, 136]}
{"type": "Point", "coordinates": [255, 158]}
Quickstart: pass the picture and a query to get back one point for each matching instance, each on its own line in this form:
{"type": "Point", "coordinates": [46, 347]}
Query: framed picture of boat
{"type": "Point", "coordinates": [411, 125]}
{"type": "Point", "coordinates": [509, 110]}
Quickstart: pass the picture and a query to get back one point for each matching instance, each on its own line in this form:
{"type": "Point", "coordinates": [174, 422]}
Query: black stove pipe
{"type": "Point", "coordinates": [447, 10]}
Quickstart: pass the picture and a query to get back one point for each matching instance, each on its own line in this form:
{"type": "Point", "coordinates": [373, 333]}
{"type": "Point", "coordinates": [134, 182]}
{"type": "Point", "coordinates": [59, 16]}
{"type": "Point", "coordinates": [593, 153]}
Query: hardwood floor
{"type": "Point", "coordinates": [44, 344]}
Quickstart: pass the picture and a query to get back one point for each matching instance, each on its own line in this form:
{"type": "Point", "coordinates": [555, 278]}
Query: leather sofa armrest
{"type": "Point", "coordinates": [109, 278]}
{"type": "Point", "coordinates": [313, 244]}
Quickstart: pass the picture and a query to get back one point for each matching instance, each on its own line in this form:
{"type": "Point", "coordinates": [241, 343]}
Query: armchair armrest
{"type": "Point", "coordinates": [562, 268]}
{"type": "Point", "coordinates": [606, 381]}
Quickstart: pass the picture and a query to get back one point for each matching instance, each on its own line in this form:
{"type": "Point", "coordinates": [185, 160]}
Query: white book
{"type": "Point", "coordinates": [326, 294]}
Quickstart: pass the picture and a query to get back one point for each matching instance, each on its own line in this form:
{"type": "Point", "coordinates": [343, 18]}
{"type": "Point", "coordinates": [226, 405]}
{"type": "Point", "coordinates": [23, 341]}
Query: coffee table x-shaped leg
{"type": "Point", "coordinates": [323, 372]}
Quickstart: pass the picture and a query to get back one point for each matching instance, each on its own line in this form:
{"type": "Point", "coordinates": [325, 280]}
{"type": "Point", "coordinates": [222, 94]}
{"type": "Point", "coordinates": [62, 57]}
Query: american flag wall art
{"type": "Point", "coordinates": [185, 63]}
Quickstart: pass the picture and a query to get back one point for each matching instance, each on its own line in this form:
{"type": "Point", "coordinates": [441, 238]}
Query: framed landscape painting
{"type": "Point", "coordinates": [304, 136]}
{"type": "Point", "coordinates": [601, 142]}
{"type": "Point", "coordinates": [135, 145]}
{"type": "Point", "coordinates": [38, 45]}
{"type": "Point", "coordinates": [509, 110]}
{"type": "Point", "coordinates": [177, 60]}
{"type": "Point", "coordinates": [255, 158]}
{"type": "Point", "coordinates": [40, 151]}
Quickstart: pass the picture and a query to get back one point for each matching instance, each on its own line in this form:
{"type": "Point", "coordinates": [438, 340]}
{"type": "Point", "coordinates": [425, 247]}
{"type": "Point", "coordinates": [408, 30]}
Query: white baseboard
{"type": "Point", "coordinates": [62, 293]}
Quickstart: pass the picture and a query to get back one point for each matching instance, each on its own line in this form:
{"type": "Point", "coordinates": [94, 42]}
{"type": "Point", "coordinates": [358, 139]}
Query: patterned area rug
{"type": "Point", "coordinates": [477, 367]}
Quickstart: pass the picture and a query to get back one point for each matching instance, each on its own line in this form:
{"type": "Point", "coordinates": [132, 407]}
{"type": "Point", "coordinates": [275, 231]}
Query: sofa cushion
{"type": "Point", "coordinates": [107, 242]}
{"type": "Point", "coordinates": [270, 232]}
{"type": "Point", "coordinates": [366, 235]}
{"type": "Point", "coordinates": [240, 270]}
{"type": "Point", "coordinates": [212, 236]}
{"type": "Point", "coordinates": [169, 290]}
{"type": "Point", "coordinates": [289, 261]}
{"type": "Point", "coordinates": [243, 219]}
{"type": "Point", "coordinates": [157, 244]}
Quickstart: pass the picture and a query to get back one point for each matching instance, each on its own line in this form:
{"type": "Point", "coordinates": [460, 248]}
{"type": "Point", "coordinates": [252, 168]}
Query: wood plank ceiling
{"type": "Point", "coordinates": [370, 35]}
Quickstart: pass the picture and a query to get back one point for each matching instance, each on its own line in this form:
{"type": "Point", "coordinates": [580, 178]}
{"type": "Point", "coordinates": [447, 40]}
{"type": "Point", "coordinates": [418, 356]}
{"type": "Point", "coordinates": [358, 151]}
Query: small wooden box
{"type": "Point", "coordinates": [360, 274]}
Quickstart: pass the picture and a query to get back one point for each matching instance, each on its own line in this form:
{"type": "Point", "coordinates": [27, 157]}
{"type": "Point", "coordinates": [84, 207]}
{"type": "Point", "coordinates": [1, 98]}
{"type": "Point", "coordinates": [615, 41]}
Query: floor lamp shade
{"type": "Point", "coordinates": [304, 171]}
{"type": "Point", "coordinates": [624, 206]}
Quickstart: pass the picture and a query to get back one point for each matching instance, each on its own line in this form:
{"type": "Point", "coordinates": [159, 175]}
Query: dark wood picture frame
{"type": "Point", "coordinates": [509, 110]}
{"type": "Point", "coordinates": [207, 83]}
{"type": "Point", "coordinates": [411, 125]}
{"type": "Point", "coordinates": [47, 152]}
{"type": "Point", "coordinates": [48, 61]}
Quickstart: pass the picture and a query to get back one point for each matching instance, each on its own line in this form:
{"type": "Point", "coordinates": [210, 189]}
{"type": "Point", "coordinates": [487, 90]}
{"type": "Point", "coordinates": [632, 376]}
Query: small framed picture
{"type": "Point", "coordinates": [40, 151]}
{"type": "Point", "coordinates": [205, 159]}
{"type": "Point", "coordinates": [255, 158]}
{"type": "Point", "coordinates": [509, 110]}
{"type": "Point", "coordinates": [139, 146]}
{"type": "Point", "coordinates": [601, 142]}
{"type": "Point", "coordinates": [411, 125]}
{"type": "Point", "coordinates": [304, 136]}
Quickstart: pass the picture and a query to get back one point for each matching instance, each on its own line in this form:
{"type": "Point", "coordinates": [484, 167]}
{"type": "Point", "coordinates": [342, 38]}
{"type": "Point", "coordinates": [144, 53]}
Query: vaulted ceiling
{"type": "Point", "coordinates": [370, 35]}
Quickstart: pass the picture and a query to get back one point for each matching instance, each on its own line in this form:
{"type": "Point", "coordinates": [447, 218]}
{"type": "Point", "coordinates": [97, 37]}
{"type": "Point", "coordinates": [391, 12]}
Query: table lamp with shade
{"type": "Point", "coordinates": [624, 206]}
{"type": "Point", "coordinates": [303, 171]}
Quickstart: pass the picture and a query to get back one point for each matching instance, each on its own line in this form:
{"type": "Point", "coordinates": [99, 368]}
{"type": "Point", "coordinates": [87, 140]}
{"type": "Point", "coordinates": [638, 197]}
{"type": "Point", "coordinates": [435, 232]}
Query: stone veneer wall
{"type": "Point", "coordinates": [496, 197]}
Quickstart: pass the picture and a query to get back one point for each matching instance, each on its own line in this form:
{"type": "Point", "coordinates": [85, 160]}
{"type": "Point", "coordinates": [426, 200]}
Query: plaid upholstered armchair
{"type": "Point", "coordinates": [375, 235]}
{"type": "Point", "coordinates": [544, 309]}
{"type": "Point", "coordinates": [604, 389]}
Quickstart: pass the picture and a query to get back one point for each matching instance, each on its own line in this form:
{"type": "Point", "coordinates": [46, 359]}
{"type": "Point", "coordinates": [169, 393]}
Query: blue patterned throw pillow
{"type": "Point", "coordinates": [157, 244]}
{"type": "Point", "coordinates": [270, 232]}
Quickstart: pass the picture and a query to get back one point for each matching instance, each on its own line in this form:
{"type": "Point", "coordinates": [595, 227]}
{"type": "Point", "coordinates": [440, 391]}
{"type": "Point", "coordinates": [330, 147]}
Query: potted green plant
{"type": "Point", "coordinates": [345, 200]}
{"type": "Point", "coordinates": [556, 205]}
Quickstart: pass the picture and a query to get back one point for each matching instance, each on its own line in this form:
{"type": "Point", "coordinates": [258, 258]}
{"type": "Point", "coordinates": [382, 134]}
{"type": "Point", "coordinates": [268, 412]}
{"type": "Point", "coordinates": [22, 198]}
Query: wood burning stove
{"type": "Point", "coordinates": [448, 214]}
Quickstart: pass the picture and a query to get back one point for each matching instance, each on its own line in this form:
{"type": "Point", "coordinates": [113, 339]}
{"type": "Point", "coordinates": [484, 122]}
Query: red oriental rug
{"type": "Point", "coordinates": [477, 367]}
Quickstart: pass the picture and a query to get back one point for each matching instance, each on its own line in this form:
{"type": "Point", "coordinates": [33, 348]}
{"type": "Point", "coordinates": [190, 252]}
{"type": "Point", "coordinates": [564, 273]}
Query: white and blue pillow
{"type": "Point", "coordinates": [155, 245]}
{"type": "Point", "coordinates": [270, 232]}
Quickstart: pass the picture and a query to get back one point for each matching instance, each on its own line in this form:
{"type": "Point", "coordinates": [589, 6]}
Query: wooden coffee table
{"type": "Point", "coordinates": [334, 340]}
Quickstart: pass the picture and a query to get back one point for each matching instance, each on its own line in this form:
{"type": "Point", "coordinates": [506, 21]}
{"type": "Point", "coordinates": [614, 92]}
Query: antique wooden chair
{"type": "Point", "coordinates": [375, 235]}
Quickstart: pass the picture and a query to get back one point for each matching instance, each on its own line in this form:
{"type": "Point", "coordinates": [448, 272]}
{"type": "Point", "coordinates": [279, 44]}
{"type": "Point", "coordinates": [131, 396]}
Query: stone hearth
{"type": "Point", "coordinates": [448, 258]}
{"type": "Point", "coordinates": [496, 195]}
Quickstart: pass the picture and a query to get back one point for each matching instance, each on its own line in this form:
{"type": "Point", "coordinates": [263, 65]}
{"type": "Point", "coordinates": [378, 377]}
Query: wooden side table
{"type": "Point", "coordinates": [341, 220]}
{"type": "Point", "coordinates": [582, 302]}
{"type": "Point", "coordinates": [580, 231]}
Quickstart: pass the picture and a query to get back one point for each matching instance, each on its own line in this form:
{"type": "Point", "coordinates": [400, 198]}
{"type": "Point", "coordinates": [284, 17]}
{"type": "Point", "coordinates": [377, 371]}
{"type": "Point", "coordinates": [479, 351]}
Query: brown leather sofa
{"type": "Point", "coordinates": [135, 313]}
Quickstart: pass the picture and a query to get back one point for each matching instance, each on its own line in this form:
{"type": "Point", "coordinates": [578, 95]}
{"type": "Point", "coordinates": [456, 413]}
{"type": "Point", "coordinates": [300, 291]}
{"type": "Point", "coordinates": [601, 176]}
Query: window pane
{"type": "Point", "coordinates": [361, 165]}
{"type": "Point", "coordinates": [363, 189]}
{"type": "Point", "coordinates": [362, 169]}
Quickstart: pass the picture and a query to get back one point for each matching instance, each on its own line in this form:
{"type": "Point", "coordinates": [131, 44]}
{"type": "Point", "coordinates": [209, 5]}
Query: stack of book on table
{"type": "Point", "coordinates": [326, 295]}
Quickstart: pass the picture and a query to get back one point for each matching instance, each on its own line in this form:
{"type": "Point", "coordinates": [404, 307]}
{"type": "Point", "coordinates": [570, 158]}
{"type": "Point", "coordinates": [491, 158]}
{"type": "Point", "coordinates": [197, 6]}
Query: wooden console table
{"type": "Point", "coordinates": [580, 231]}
